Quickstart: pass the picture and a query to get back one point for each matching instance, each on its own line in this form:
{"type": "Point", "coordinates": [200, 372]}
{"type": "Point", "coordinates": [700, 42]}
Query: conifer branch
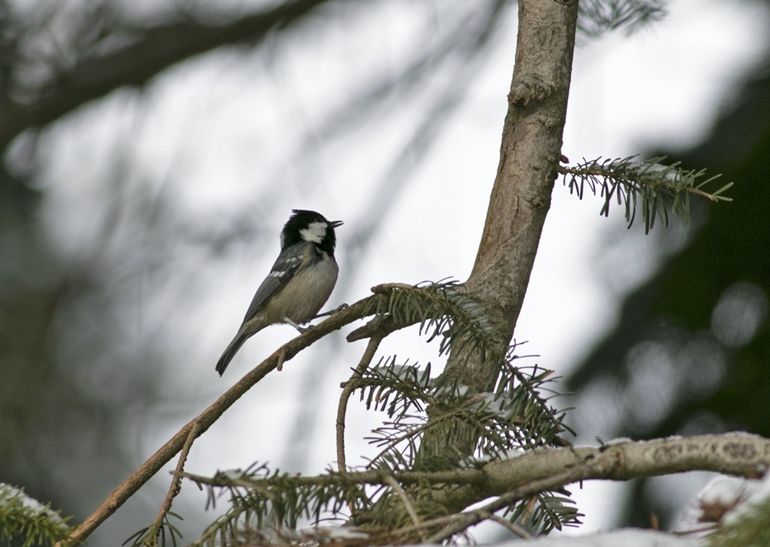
{"type": "Point", "coordinates": [661, 188]}
{"type": "Point", "coordinates": [410, 433]}
{"type": "Point", "coordinates": [510, 480]}
{"type": "Point", "coordinates": [393, 483]}
{"type": "Point", "coordinates": [441, 309]}
{"type": "Point", "coordinates": [28, 521]}
{"type": "Point", "coordinates": [471, 518]}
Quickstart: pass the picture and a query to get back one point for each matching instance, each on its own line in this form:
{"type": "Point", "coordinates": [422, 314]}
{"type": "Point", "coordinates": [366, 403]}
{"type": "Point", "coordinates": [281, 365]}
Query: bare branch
{"type": "Point", "coordinates": [516, 530]}
{"type": "Point", "coordinates": [144, 473]}
{"type": "Point", "coordinates": [740, 454]}
{"type": "Point", "coordinates": [730, 453]}
{"type": "Point", "coordinates": [176, 486]}
{"type": "Point", "coordinates": [349, 387]}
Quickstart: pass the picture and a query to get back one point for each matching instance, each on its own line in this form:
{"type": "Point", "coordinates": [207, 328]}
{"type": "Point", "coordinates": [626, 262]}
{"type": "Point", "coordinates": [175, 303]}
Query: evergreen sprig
{"type": "Point", "coordinates": [396, 389]}
{"type": "Point", "coordinates": [514, 416]}
{"type": "Point", "coordinates": [252, 494]}
{"type": "Point", "coordinates": [24, 518]}
{"type": "Point", "coordinates": [443, 310]}
{"type": "Point", "coordinates": [545, 512]}
{"type": "Point", "coordinates": [261, 498]}
{"type": "Point", "coordinates": [659, 187]}
{"type": "Point", "coordinates": [165, 534]}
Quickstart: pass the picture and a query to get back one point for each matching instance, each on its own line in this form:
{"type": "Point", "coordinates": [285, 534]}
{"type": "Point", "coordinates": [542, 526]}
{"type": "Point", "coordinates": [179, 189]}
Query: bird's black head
{"type": "Point", "coordinates": [309, 226]}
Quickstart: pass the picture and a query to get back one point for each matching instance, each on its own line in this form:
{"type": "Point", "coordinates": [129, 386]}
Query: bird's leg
{"type": "Point", "coordinates": [332, 312]}
{"type": "Point", "coordinates": [302, 330]}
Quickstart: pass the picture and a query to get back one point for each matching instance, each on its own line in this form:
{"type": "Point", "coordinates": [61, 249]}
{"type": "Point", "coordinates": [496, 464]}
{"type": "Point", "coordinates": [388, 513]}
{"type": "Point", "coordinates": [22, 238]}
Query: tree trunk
{"type": "Point", "coordinates": [521, 196]}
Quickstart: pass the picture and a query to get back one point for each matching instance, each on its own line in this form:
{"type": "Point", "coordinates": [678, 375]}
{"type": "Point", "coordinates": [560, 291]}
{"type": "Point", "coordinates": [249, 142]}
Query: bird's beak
{"type": "Point", "coordinates": [335, 223]}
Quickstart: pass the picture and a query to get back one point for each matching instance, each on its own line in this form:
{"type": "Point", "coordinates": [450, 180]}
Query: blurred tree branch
{"type": "Point", "coordinates": [150, 51]}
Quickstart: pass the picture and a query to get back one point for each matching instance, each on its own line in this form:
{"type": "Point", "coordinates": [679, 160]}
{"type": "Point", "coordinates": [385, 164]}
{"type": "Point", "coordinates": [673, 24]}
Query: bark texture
{"type": "Point", "coordinates": [521, 196]}
{"type": "Point", "coordinates": [529, 155]}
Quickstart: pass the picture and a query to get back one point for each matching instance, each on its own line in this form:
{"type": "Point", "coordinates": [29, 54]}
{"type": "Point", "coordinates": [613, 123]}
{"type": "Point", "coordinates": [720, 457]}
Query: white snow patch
{"type": "Point", "coordinates": [619, 440]}
{"type": "Point", "coordinates": [618, 538]}
{"type": "Point", "coordinates": [232, 474]}
{"type": "Point", "coordinates": [750, 494]}
{"type": "Point", "coordinates": [9, 494]}
{"type": "Point", "coordinates": [629, 537]}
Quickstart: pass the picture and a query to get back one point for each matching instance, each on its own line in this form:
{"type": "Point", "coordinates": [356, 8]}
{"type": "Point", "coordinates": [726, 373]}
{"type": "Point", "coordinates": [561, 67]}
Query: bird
{"type": "Point", "coordinates": [299, 283]}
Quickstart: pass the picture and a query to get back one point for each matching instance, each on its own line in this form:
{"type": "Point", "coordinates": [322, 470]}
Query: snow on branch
{"type": "Point", "coordinates": [506, 481]}
{"type": "Point", "coordinates": [23, 517]}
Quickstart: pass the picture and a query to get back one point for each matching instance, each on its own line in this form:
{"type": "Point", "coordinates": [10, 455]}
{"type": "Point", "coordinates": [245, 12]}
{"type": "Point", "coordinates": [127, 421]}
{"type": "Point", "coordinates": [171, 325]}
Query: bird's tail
{"type": "Point", "coordinates": [230, 352]}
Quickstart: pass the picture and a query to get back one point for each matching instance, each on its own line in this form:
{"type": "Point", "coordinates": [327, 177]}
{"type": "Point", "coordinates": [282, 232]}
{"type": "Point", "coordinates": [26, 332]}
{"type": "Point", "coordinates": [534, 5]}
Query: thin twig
{"type": "Point", "coordinates": [702, 530]}
{"type": "Point", "coordinates": [176, 486]}
{"type": "Point", "coordinates": [516, 530]}
{"type": "Point", "coordinates": [422, 526]}
{"type": "Point", "coordinates": [138, 478]}
{"type": "Point", "coordinates": [529, 489]}
{"type": "Point", "coordinates": [413, 433]}
{"type": "Point", "coordinates": [350, 386]}
{"type": "Point", "coordinates": [529, 509]}
{"type": "Point", "coordinates": [393, 483]}
{"type": "Point", "coordinates": [632, 179]}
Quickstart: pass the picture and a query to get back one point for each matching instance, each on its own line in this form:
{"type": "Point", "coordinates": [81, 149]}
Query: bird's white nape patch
{"type": "Point", "coordinates": [314, 233]}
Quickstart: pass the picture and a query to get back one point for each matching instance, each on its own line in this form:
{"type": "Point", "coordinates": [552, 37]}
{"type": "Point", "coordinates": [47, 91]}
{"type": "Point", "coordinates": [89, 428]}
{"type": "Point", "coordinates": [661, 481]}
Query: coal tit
{"type": "Point", "coordinates": [299, 282]}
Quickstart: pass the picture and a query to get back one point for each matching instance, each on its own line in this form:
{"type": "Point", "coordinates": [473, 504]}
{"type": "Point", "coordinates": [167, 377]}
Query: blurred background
{"type": "Point", "coordinates": [153, 150]}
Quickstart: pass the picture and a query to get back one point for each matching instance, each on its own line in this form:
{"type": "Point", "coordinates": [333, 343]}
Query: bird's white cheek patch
{"type": "Point", "coordinates": [314, 233]}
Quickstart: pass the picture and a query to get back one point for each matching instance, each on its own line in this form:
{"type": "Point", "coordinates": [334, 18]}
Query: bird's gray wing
{"type": "Point", "coordinates": [282, 271]}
